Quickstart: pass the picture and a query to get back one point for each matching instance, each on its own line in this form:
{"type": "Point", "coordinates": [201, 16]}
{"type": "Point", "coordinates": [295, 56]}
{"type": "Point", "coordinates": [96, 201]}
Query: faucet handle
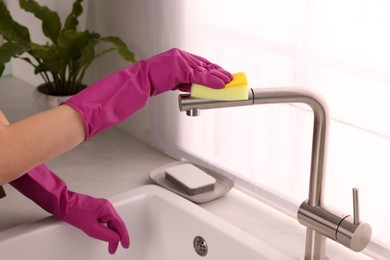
{"type": "Point", "coordinates": [355, 197]}
{"type": "Point", "coordinates": [351, 232]}
{"type": "Point", "coordinates": [345, 229]}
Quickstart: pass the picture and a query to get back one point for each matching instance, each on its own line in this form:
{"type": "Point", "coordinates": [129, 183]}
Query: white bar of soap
{"type": "Point", "coordinates": [190, 178]}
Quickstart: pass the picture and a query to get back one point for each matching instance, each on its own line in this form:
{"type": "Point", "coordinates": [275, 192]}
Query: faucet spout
{"type": "Point", "coordinates": [320, 221]}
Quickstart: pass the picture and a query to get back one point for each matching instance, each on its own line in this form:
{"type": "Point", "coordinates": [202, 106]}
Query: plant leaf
{"type": "Point", "coordinates": [72, 21]}
{"type": "Point", "coordinates": [2, 68]}
{"type": "Point", "coordinates": [7, 51]}
{"type": "Point", "coordinates": [86, 58]}
{"type": "Point", "coordinates": [101, 53]}
{"type": "Point", "coordinates": [81, 45]}
{"type": "Point", "coordinates": [51, 24]}
{"type": "Point", "coordinates": [121, 48]}
{"type": "Point", "coordinates": [11, 30]}
{"type": "Point", "coordinates": [50, 58]}
{"type": "Point", "coordinates": [75, 42]}
{"type": "Point", "coordinates": [87, 54]}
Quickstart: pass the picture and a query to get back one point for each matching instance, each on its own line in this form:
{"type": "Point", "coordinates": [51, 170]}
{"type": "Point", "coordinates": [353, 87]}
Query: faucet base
{"type": "Point", "coordinates": [330, 223]}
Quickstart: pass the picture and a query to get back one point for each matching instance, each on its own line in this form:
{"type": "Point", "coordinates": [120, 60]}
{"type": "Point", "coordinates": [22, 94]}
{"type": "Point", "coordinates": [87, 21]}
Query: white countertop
{"type": "Point", "coordinates": [113, 162]}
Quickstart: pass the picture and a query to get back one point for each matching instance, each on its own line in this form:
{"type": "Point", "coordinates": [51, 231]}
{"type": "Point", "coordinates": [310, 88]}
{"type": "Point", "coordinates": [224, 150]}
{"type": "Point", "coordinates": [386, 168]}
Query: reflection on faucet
{"type": "Point", "coordinates": [321, 221]}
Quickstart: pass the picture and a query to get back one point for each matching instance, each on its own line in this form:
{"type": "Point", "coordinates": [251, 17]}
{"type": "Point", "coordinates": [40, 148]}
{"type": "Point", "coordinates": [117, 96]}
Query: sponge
{"type": "Point", "coordinates": [237, 89]}
{"type": "Point", "coordinates": [190, 178]}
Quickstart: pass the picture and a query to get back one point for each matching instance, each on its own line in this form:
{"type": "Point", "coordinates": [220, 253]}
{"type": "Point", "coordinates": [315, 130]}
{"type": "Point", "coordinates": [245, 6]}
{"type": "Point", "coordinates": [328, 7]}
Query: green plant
{"type": "Point", "coordinates": [63, 61]}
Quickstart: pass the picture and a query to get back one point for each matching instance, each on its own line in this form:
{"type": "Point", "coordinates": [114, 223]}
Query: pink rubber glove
{"type": "Point", "coordinates": [84, 212]}
{"type": "Point", "coordinates": [116, 97]}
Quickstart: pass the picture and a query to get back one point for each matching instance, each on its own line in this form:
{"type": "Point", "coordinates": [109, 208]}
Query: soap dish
{"type": "Point", "coordinates": [222, 186]}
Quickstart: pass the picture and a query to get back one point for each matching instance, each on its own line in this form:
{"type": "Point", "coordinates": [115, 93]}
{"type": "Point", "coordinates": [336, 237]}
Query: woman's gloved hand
{"type": "Point", "coordinates": [96, 217]}
{"type": "Point", "coordinates": [116, 97]}
{"type": "Point", "coordinates": [177, 69]}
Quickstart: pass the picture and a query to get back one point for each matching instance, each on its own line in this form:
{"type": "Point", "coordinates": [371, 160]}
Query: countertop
{"type": "Point", "coordinates": [113, 162]}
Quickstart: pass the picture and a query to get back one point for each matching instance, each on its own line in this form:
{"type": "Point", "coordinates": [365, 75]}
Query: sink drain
{"type": "Point", "coordinates": [200, 246]}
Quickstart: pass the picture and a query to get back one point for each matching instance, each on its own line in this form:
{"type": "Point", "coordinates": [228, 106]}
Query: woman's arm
{"type": "Point", "coordinates": [111, 100]}
{"type": "Point", "coordinates": [36, 139]}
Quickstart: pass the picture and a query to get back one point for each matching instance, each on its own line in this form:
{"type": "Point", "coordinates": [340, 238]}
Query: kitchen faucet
{"type": "Point", "coordinates": [321, 221]}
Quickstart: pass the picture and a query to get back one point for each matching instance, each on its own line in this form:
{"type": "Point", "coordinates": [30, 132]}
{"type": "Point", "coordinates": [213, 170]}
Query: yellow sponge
{"type": "Point", "coordinates": [237, 89]}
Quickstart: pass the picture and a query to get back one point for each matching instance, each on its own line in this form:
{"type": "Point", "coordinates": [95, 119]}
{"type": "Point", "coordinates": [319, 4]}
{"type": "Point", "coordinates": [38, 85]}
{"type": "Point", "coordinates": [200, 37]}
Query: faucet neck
{"type": "Point", "coordinates": [320, 129]}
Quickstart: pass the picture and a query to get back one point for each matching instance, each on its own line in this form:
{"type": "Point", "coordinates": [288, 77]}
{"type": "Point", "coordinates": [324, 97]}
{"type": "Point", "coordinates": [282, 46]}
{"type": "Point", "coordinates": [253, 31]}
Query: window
{"type": "Point", "coordinates": [339, 48]}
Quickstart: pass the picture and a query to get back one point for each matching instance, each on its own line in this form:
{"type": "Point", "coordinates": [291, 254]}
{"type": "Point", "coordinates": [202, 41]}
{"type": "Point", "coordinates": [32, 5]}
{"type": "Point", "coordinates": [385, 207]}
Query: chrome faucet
{"type": "Point", "coordinates": [321, 221]}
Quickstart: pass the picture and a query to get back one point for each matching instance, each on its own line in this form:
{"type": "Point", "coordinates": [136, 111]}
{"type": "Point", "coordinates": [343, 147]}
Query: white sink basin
{"type": "Point", "coordinates": [162, 226]}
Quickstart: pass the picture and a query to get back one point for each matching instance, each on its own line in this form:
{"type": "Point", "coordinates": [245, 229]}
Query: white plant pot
{"type": "Point", "coordinates": [45, 102]}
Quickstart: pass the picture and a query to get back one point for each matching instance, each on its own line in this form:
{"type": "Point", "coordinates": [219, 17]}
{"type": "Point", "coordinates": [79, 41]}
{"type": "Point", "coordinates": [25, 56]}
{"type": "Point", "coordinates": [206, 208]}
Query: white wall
{"type": "Point", "coordinates": [126, 19]}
